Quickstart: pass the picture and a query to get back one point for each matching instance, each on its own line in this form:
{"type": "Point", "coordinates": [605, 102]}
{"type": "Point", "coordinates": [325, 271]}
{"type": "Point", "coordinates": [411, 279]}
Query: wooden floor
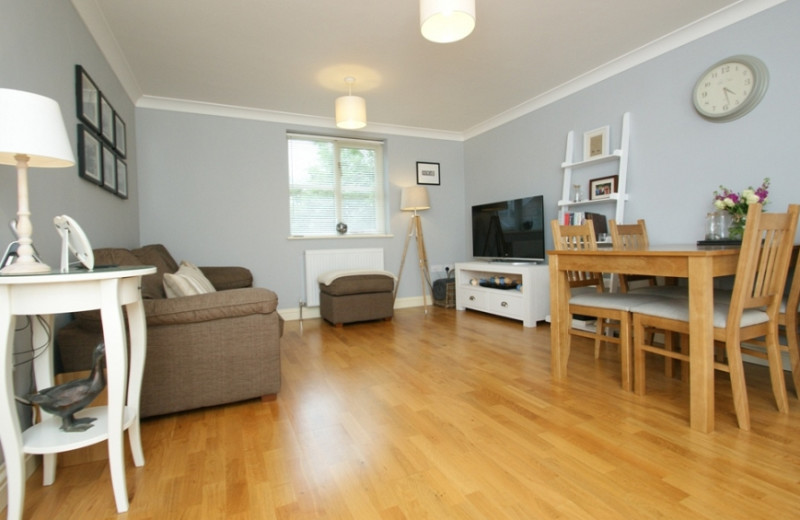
{"type": "Point", "coordinates": [449, 415]}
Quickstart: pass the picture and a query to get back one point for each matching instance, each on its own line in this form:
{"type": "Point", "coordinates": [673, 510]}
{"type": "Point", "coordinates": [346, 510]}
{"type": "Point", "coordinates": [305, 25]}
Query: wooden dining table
{"type": "Point", "coordinates": [699, 265]}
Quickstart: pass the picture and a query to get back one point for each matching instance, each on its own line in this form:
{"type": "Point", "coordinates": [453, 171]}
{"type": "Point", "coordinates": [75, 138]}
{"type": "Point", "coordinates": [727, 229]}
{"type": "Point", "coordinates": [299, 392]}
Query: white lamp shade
{"type": "Point", "coordinates": [351, 112]}
{"type": "Point", "coordinates": [32, 125]}
{"type": "Point", "coordinates": [446, 21]}
{"type": "Point", "coordinates": [414, 198]}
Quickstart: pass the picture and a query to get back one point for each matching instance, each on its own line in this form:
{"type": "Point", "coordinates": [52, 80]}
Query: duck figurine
{"type": "Point", "coordinates": [66, 399]}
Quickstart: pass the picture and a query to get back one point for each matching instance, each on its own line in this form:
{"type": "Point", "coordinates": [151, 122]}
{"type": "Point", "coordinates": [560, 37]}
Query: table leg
{"type": "Point", "coordinates": [10, 435]}
{"type": "Point", "coordinates": [138, 349]}
{"type": "Point", "coordinates": [559, 320]}
{"type": "Point", "coordinates": [117, 367]}
{"type": "Point", "coordinates": [42, 336]}
{"type": "Point", "coordinates": [701, 344]}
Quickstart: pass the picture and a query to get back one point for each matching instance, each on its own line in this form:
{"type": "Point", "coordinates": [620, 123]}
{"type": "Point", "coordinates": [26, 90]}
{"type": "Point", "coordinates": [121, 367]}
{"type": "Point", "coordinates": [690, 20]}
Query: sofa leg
{"type": "Point", "coordinates": [268, 398]}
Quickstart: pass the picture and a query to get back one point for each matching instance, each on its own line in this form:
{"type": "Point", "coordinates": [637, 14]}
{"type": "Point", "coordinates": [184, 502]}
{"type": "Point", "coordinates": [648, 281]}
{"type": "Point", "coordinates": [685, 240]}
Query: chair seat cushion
{"type": "Point", "coordinates": [616, 301]}
{"type": "Point", "coordinates": [676, 309]}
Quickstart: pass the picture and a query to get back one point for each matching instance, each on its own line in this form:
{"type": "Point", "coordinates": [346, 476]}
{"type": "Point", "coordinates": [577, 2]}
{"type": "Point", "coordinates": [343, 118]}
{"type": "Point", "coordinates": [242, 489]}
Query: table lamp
{"type": "Point", "coordinates": [32, 134]}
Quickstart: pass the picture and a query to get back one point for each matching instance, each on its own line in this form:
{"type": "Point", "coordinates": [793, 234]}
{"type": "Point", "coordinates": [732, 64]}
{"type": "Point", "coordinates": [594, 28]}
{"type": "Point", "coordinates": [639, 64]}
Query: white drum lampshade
{"type": "Point", "coordinates": [446, 21]}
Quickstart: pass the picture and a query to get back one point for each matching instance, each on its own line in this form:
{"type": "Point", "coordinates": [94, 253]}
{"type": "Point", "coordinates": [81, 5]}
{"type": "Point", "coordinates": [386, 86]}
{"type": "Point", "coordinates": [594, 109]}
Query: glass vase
{"type": "Point", "coordinates": [736, 227]}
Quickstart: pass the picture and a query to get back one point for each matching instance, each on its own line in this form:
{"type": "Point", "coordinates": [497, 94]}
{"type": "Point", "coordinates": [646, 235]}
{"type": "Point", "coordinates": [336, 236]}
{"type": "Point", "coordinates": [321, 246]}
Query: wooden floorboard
{"type": "Point", "coordinates": [450, 415]}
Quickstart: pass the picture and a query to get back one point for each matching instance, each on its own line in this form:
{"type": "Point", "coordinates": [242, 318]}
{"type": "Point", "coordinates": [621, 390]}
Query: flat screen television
{"type": "Point", "coordinates": [510, 230]}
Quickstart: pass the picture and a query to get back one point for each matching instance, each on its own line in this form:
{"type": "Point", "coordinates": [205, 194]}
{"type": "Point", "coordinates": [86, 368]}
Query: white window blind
{"type": "Point", "coordinates": [334, 180]}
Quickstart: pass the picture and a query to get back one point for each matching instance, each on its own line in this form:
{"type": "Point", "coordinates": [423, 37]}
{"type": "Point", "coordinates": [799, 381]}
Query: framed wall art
{"type": "Point", "coordinates": [106, 120]}
{"type": "Point", "coordinates": [122, 179]}
{"type": "Point", "coordinates": [89, 159]}
{"type": "Point", "coordinates": [109, 169]}
{"type": "Point", "coordinates": [428, 173]}
{"type": "Point", "coordinates": [119, 135]}
{"type": "Point", "coordinates": [87, 96]}
{"type": "Point", "coordinates": [602, 188]}
{"type": "Point", "coordinates": [595, 143]}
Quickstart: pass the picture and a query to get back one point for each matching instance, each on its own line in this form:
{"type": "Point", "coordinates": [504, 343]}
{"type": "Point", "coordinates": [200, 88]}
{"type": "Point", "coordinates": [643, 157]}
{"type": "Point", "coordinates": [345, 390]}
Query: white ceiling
{"type": "Point", "coordinates": [288, 58]}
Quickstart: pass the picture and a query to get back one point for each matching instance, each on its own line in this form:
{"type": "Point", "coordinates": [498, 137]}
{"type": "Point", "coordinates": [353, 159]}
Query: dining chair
{"type": "Point", "coordinates": [751, 313]}
{"type": "Point", "coordinates": [788, 321]}
{"type": "Point", "coordinates": [634, 236]}
{"type": "Point", "coordinates": [630, 236]}
{"type": "Point", "coordinates": [588, 297]}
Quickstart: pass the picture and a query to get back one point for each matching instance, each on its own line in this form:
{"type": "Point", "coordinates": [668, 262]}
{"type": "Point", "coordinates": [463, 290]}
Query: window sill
{"type": "Point", "coordinates": [337, 237]}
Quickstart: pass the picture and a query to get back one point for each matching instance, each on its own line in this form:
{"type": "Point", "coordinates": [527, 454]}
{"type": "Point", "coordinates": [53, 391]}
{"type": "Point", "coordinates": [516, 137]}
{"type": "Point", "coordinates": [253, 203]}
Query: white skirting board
{"type": "Point", "coordinates": [319, 261]}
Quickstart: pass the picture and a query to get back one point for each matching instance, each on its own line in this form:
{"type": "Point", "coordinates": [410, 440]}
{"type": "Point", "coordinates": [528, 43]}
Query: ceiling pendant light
{"type": "Point", "coordinates": [446, 21]}
{"type": "Point", "coordinates": [351, 111]}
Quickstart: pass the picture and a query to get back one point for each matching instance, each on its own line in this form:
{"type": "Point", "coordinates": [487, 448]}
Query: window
{"type": "Point", "coordinates": [334, 180]}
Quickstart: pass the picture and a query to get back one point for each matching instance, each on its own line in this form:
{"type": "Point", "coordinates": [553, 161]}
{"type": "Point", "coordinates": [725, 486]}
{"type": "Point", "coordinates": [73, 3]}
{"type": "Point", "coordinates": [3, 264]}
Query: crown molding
{"type": "Point", "coordinates": [687, 34]}
{"type": "Point", "coordinates": [272, 116]}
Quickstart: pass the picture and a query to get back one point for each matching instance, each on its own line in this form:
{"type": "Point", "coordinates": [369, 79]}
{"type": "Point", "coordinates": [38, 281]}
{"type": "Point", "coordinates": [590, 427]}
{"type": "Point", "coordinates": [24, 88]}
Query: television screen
{"type": "Point", "coordinates": [509, 230]}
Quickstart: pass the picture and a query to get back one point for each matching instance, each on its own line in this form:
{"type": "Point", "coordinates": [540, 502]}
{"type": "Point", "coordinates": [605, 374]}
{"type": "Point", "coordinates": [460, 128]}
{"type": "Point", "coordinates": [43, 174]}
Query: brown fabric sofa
{"type": "Point", "coordinates": [202, 350]}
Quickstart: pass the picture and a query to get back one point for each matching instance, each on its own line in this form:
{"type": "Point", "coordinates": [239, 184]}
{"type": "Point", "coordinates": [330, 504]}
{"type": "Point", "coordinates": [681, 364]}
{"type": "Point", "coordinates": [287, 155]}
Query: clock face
{"type": "Point", "coordinates": [730, 88]}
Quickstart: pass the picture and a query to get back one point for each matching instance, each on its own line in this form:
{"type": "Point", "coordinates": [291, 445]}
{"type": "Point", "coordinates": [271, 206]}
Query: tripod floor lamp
{"type": "Point", "coordinates": [415, 198]}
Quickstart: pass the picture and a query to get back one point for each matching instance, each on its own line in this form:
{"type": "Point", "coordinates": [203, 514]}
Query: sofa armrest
{"type": "Point", "coordinates": [211, 306]}
{"type": "Point", "coordinates": [225, 278]}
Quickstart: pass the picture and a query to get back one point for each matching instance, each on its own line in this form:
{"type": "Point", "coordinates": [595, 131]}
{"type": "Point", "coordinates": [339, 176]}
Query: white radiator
{"type": "Point", "coordinates": [320, 261]}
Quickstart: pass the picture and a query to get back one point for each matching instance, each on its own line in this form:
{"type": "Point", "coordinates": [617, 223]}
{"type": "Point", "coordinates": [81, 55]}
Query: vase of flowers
{"type": "Point", "coordinates": [736, 204]}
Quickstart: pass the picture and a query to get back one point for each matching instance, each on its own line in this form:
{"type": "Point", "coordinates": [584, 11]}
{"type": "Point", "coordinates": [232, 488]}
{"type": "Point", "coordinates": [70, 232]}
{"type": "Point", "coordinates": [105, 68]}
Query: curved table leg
{"type": "Point", "coordinates": [10, 436]}
{"type": "Point", "coordinates": [117, 367]}
{"type": "Point", "coordinates": [138, 332]}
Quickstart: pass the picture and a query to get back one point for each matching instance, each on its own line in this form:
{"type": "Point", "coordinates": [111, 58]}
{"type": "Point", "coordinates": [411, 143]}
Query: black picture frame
{"type": "Point", "coordinates": [109, 168]}
{"type": "Point", "coordinates": [87, 97]}
{"type": "Point", "coordinates": [89, 155]}
{"type": "Point", "coordinates": [119, 135]}
{"type": "Point", "coordinates": [122, 178]}
{"type": "Point", "coordinates": [106, 120]}
{"type": "Point", "coordinates": [428, 173]}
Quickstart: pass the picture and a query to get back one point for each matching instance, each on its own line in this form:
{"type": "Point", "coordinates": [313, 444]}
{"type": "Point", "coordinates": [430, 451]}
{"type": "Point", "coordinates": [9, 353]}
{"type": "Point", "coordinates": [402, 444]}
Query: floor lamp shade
{"type": "Point", "coordinates": [414, 198]}
{"type": "Point", "coordinates": [32, 134]}
{"type": "Point", "coordinates": [446, 21]}
{"type": "Point", "coordinates": [351, 112]}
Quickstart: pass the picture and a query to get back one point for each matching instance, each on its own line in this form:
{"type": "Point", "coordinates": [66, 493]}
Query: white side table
{"type": "Point", "coordinates": [108, 289]}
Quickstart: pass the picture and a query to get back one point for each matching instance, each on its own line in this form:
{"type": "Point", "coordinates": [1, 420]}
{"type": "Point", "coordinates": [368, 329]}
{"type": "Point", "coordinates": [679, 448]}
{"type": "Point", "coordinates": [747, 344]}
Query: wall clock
{"type": "Point", "coordinates": [730, 88]}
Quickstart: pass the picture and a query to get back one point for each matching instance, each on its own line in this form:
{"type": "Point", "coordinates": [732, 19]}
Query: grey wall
{"type": "Point", "coordinates": [40, 44]}
{"type": "Point", "coordinates": [677, 159]}
{"type": "Point", "coordinates": [215, 191]}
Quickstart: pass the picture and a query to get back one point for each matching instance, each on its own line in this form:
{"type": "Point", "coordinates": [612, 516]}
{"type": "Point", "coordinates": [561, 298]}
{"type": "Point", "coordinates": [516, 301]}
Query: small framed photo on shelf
{"type": "Point", "coordinates": [106, 119]}
{"type": "Point", "coordinates": [428, 173]}
{"type": "Point", "coordinates": [595, 143]}
{"type": "Point", "coordinates": [602, 188]}
{"type": "Point", "coordinates": [122, 179]}
{"type": "Point", "coordinates": [87, 96]}
{"type": "Point", "coordinates": [89, 159]}
{"type": "Point", "coordinates": [109, 169]}
{"type": "Point", "coordinates": [119, 135]}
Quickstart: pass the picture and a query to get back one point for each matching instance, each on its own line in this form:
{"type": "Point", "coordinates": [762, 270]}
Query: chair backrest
{"type": "Point", "coordinates": [578, 237]}
{"type": "Point", "coordinates": [793, 294]}
{"type": "Point", "coordinates": [630, 236]}
{"type": "Point", "coordinates": [763, 262]}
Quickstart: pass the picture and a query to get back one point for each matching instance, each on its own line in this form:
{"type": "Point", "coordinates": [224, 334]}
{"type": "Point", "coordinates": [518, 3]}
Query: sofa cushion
{"type": "Point", "coordinates": [158, 256]}
{"type": "Point", "coordinates": [188, 280]}
{"type": "Point", "coordinates": [214, 306]}
{"type": "Point", "coordinates": [114, 256]}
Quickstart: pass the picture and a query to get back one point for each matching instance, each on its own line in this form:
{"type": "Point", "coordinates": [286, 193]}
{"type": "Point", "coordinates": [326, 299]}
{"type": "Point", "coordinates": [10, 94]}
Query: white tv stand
{"type": "Point", "coordinates": [530, 304]}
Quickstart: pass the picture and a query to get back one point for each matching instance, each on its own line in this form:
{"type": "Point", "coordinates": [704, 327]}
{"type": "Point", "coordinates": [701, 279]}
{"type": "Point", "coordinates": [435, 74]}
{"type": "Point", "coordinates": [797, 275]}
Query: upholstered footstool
{"type": "Point", "coordinates": [356, 295]}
